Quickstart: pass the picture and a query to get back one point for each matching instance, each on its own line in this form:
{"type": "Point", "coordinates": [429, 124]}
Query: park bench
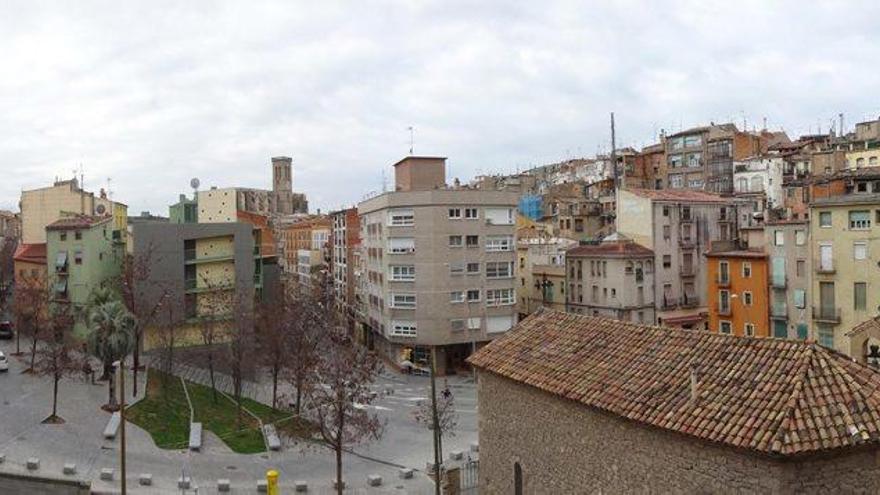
{"type": "Point", "coordinates": [195, 436]}
{"type": "Point", "coordinates": [272, 440]}
{"type": "Point", "coordinates": [112, 426]}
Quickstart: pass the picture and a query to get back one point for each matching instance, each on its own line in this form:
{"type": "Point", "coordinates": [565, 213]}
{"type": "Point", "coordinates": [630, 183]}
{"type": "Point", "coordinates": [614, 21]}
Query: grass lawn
{"type": "Point", "coordinates": [167, 418]}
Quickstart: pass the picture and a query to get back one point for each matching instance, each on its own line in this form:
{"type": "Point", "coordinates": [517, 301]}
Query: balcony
{"type": "Point", "coordinates": [686, 242]}
{"type": "Point", "coordinates": [687, 271]}
{"type": "Point", "coordinates": [778, 281]}
{"type": "Point", "coordinates": [722, 280]}
{"type": "Point", "coordinates": [668, 303]}
{"type": "Point", "coordinates": [824, 314]}
{"type": "Point", "coordinates": [688, 302]}
{"type": "Point", "coordinates": [724, 310]}
{"type": "Point", "coordinates": [779, 310]}
{"type": "Point", "coordinates": [825, 269]}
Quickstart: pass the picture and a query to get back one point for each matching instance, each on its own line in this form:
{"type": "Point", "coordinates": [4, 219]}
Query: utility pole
{"type": "Point", "coordinates": [120, 369]}
{"type": "Point", "coordinates": [436, 421]}
{"type": "Point", "coordinates": [616, 174]}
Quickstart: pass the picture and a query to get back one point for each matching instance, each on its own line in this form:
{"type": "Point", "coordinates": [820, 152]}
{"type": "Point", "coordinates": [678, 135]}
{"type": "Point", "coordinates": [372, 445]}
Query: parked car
{"type": "Point", "coordinates": [5, 329]}
{"type": "Point", "coordinates": [4, 364]}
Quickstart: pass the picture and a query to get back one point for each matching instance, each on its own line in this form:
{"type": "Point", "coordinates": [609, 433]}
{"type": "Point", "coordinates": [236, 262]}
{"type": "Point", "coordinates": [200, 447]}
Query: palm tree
{"type": "Point", "coordinates": [111, 337]}
{"type": "Point", "coordinates": [98, 297]}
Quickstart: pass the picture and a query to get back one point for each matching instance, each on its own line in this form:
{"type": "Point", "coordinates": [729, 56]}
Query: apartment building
{"type": "Point", "coordinates": [737, 291]}
{"type": "Point", "coordinates": [678, 226]}
{"type": "Point", "coordinates": [64, 198]}
{"type": "Point", "coordinates": [307, 247]}
{"type": "Point", "coordinates": [205, 271]}
{"type": "Point", "coordinates": [541, 272]}
{"type": "Point", "coordinates": [439, 265]}
{"type": "Point", "coordinates": [10, 225]}
{"type": "Point", "coordinates": [345, 245]}
{"type": "Point", "coordinates": [613, 278]}
{"type": "Point", "coordinates": [864, 154]}
{"type": "Point", "coordinates": [845, 247]}
{"type": "Point", "coordinates": [652, 161]}
{"type": "Point", "coordinates": [84, 256]}
{"type": "Point", "coordinates": [702, 158]}
{"type": "Point", "coordinates": [788, 247]}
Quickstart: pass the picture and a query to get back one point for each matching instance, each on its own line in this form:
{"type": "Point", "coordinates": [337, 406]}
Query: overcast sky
{"type": "Point", "coordinates": [152, 95]}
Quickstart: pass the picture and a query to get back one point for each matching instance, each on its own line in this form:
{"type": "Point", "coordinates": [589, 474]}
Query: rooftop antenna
{"type": "Point", "coordinates": [384, 182]}
{"type": "Point", "coordinates": [194, 183]}
{"type": "Point", "coordinates": [109, 191]}
{"type": "Point", "coordinates": [411, 140]}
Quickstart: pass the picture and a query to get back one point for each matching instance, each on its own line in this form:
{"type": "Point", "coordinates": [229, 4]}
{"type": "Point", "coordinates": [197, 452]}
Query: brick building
{"type": "Point", "coordinates": [604, 406]}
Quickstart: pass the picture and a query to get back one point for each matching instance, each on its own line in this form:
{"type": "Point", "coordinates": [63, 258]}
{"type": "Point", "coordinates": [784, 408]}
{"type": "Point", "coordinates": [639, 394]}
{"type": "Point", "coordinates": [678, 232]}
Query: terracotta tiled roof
{"type": "Point", "coordinates": [684, 195]}
{"type": "Point", "coordinates": [31, 253]}
{"type": "Point", "coordinates": [739, 253]}
{"type": "Point", "coordinates": [625, 249]}
{"type": "Point", "coordinates": [77, 222]}
{"type": "Point", "coordinates": [776, 397]}
{"type": "Point", "coordinates": [872, 324]}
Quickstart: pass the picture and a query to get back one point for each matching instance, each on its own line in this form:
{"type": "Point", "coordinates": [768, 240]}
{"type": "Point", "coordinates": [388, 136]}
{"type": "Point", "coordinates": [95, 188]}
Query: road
{"type": "Point", "coordinates": [26, 401]}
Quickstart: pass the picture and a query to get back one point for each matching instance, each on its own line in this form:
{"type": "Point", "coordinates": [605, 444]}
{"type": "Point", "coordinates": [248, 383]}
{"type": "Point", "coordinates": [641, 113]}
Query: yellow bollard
{"type": "Point", "coordinates": [272, 482]}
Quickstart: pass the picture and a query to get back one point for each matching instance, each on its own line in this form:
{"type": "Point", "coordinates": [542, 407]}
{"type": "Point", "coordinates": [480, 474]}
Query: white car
{"type": "Point", "coordinates": [4, 364]}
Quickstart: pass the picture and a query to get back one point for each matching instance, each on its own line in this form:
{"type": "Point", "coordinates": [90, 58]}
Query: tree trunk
{"type": "Point", "coordinates": [211, 373]}
{"type": "Point", "coordinates": [338, 447]}
{"type": "Point", "coordinates": [33, 351]}
{"type": "Point", "coordinates": [111, 388]}
{"type": "Point", "coordinates": [274, 387]}
{"type": "Point", "coordinates": [137, 362]}
{"type": "Point", "coordinates": [18, 342]}
{"type": "Point", "coordinates": [298, 394]}
{"type": "Point", "coordinates": [55, 396]}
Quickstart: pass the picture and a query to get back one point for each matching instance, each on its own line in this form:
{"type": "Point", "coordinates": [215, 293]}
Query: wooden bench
{"type": "Point", "coordinates": [112, 426]}
{"type": "Point", "coordinates": [195, 436]}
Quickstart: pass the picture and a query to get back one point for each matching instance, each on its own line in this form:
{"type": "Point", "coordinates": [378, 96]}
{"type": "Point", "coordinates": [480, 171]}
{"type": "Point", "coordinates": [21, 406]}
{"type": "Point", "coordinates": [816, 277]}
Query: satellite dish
{"type": "Point", "coordinates": [100, 209]}
{"type": "Point", "coordinates": [194, 183]}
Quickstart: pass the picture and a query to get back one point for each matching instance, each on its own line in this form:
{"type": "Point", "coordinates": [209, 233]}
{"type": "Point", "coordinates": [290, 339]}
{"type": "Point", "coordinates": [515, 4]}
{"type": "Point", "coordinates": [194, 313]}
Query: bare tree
{"type": "Point", "coordinates": [32, 314]}
{"type": "Point", "coordinates": [303, 329]}
{"type": "Point", "coordinates": [57, 358]}
{"type": "Point", "coordinates": [273, 340]}
{"type": "Point", "coordinates": [446, 417]}
{"type": "Point", "coordinates": [8, 245]}
{"type": "Point", "coordinates": [166, 335]}
{"type": "Point", "coordinates": [131, 284]}
{"type": "Point", "coordinates": [238, 351]}
{"type": "Point", "coordinates": [215, 322]}
{"type": "Point", "coordinates": [343, 393]}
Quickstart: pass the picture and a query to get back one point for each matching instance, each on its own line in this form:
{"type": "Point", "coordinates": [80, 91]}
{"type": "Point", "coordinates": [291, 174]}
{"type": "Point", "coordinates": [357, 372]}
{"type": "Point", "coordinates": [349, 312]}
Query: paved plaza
{"type": "Point", "coordinates": [26, 401]}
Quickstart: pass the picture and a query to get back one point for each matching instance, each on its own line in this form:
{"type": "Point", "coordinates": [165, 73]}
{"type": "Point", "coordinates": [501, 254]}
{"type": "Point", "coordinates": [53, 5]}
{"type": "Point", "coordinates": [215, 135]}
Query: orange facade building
{"type": "Point", "coordinates": [738, 298]}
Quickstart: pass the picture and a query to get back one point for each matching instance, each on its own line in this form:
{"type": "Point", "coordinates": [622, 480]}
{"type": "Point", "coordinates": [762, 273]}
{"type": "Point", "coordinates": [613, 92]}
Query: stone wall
{"type": "Point", "coordinates": [564, 447]}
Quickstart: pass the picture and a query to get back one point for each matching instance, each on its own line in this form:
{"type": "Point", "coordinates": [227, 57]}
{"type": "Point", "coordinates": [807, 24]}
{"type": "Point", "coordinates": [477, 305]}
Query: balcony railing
{"type": "Point", "coordinates": [686, 271]}
{"type": "Point", "coordinates": [826, 314]}
{"type": "Point", "coordinates": [779, 310]}
{"type": "Point", "coordinates": [668, 303]}
{"type": "Point", "coordinates": [686, 242]}
{"type": "Point", "coordinates": [689, 302]}
{"type": "Point", "coordinates": [722, 280]}
{"type": "Point", "coordinates": [824, 269]}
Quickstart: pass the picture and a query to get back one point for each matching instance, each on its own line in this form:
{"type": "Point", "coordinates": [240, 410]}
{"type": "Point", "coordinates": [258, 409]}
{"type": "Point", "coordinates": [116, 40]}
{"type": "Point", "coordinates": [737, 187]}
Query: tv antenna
{"type": "Point", "coordinates": [411, 130]}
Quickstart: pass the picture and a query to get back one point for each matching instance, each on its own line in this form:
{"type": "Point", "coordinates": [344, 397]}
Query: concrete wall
{"type": "Point", "coordinates": [565, 447]}
{"type": "Point", "coordinates": [40, 207]}
{"type": "Point", "coordinates": [217, 205]}
{"type": "Point", "coordinates": [740, 313]}
{"type": "Point", "coordinates": [792, 253]}
{"type": "Point", "coordinates": [12, 483]}
{"type": "Point", "coordinates": [616, 290]}
{"type": "Point", "coordinates": [634, 218]}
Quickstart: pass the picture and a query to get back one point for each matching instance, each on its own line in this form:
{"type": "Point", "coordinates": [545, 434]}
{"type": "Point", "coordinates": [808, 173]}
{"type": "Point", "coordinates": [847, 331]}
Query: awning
{"type": "Point", "coordinates": [61, 260]}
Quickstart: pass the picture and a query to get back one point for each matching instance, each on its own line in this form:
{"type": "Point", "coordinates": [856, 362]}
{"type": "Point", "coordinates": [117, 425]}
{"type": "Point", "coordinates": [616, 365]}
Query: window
{"type": "Point", "coordinates": [499, 269]}
{"type": "Point", "coordinates": [860, 250]}
{"type": "Point", "coordinates": [693, 160]}
{"type": "Point", "coordinates": [473, 295]}
{"type": "Point", "coordinates": [499, 323]}
{"type": "Point", "coordinates": [690, 141]}
{"type": "Point", "coordinates": [454, 213]}
{"type": "Point", "coordinates": [747, 269]}
{"type": "Point", "coordinates": [403, 301]}
{"type": "Point", "coordinates": [499, 297]}
{"type": "Point", "coordinates": [77, 257]}
{"type": "Point", "coordinates": [403, 329]}
{"type": "Point", "coordinates": [675, 181]}
{"type": "Point", "coordinates": [456, 296]}
{"type": "Point", "coordinates": [78, 235]}
{"type": "Point", "coordinates": [665, 210]}
{"type": "Point", "coordinates": [778, 238]}
{"type": "Point", "coordinates": [800, 298]}
{"type": "Point", "coordinates": [674, 161]}
{"type": "Point", "coordinates": [471, 213]}
{"type": "Point", "coordinates": [456, 268]}
{"type": "Point", "coordinates": [667, 261]}
{"type": "Point", "coordinates": [724, 327]}
{"type": "Point", "coordinates": [474, 323]}
{"type": "Point", "coordinates": [800, 267]}
{"type": "Point", "coordinates": [472, 241]}
{"type": "Point", "coordinates": [826, 257]}
{"type": "Point", "coordinates": [747, 298]}
{"type": "Point", "coordinates": [401, 218]}
{"type": "Point", "coordinates": [455, 241]}
{"type": "Point", "coordinates": [750, 330]}
{"type": "Point", "coordinates": [685, 212]}
{"type": "Point", "coordinates": [825, 219]}
{"type": "Point", "coordinates": [800, 237]}
{"type": "Point", "coordinates": [860, 220]}
{"type": "Point", "coordinates": [499, 243]}
{"type": "Point", "coordinates": [826, 335]}
{"type": "Point", "coordinates": [860, 296]}
{"type": "Point", "coordinates": [403, 273]}
{"type": "Point", "coordinates": [723, 272]}
{"type": "Point", "coordinates": [499, 216]}
{"type": "Point", "coordinates": [666, 232]}
{"type": "Point", "coordinates": [473, 268]}
{"type": "Point", "coordinates": [401, 245]}
{"type": "Point", "coordinates": [64, 234]}
{"type": "Point", "coordinates": [457, 325]}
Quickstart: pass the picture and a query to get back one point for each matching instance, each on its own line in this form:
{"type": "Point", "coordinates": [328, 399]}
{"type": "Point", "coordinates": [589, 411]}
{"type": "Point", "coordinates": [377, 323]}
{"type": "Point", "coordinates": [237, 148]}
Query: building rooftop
{"type": "Point", "coordinates": [847, 199]}
{"type": "Point", "coordinates": [771, 396]}
{"type": "Point", "coordinates": [31, 253]}
{"type": "Point", "coordinates": [77, 222]}
{"type": "Point", "coordinates": [680, 195]}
